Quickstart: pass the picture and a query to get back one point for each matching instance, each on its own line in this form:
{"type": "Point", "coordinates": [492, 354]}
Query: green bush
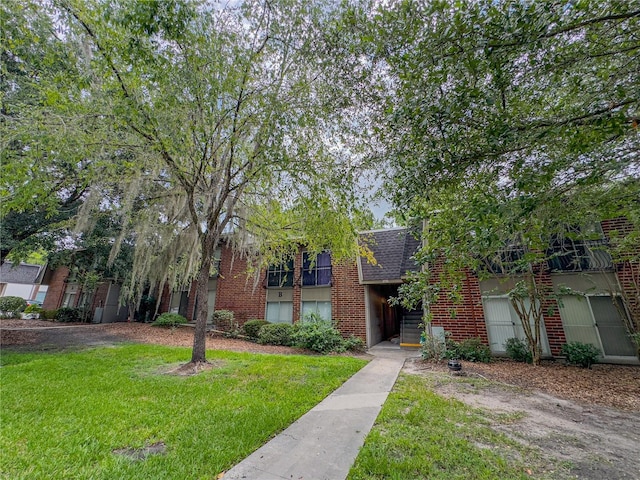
{"type": "Point", "coordinates": [518, 350]}
{"type": "Point", "coordinates": [582, 354]}
{"type": "Point", "coordinates": [223, 318]}
{"type": "Point", "coordinates": [252, 327]}
{"type": "Point", "coordinates": [68, 315]}
{"type": "Point", "coordinates": [354, 344]}
{"type": "Point", "coordinates": [33, 308]}
{"type": "Point", "coordinates": [319, 335]}
{"type": "Point", "coordinates": [470, 349]}
{"type": "Point", "coordinates": [169, 320]}
{"type": "Point", "coordinates": [276, 334]}
{"type": "Point", "coordinates": [12, 306]}
{"type": "Point", "coordinates": [49, 314]}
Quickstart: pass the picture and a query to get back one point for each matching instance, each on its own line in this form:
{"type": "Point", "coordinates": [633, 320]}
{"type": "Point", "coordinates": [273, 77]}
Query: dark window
{"type": "Point", "coordinates": [280, 275]}
{"type": "Point", "coordinates": [316, 271]}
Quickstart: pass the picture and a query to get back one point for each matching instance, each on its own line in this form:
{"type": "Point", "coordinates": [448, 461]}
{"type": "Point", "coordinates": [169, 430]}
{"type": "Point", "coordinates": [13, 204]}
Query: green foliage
{"type": "Point", "coordinates": [33, 308]}
{"type": "Point", "coordinates": [122, 397]}
{"type": "Point", "coordinates": [354, 344]}
{"type": "Point", "coordinates": [470, 349]}
{"type": "Point", "coordinates": [124, 88]}
{"type": "Point", "coordinates": [68, 315]}
{"type": "Point", "coordinates": [252, 328]}
{"type": "Point", "coordinates": [542, 159]}
{"type": "Point", "coordinates": [276, 334]}
{"type": "Point", "coordinates": [432, 347]}
{"type": "Point", "coordinates": [223, 318]}
{"type": "Point", "coordinates": [319, 335]}
{"type": "Point", "coordinates": [49, 314]}
{"type": "Point", "coordinates": [581, 354]}
{"type": "Point", "coordinates": [518, 350]}
{"type": "Point", "coordinates": [169, 320]}
{"type": "Point", "coordinates": [12, 305]}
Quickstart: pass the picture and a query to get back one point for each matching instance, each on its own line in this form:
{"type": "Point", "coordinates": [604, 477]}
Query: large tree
{"type": "Point", "coordinates": [204, 121]}
{"type": "Point", "coordinates": [509, 123]}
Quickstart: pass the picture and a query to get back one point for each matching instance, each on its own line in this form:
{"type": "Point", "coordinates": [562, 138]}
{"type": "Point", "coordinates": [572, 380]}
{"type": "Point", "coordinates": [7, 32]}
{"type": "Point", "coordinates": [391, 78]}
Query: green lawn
{"type": "Point", "coordinates": [64, 414]}
{"type": "Point", "coordinates": [420, 435]}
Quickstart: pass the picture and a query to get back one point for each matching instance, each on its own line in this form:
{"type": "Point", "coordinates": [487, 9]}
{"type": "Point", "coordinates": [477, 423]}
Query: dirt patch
{"type": "Point", "coordinates": [578, 438]}
{"type": "Point", "coordinates": [190, 369]}
{"type": "Point", "coordinates": [41, 335]}
{"type": "Point", "coordinates": [138, 454]}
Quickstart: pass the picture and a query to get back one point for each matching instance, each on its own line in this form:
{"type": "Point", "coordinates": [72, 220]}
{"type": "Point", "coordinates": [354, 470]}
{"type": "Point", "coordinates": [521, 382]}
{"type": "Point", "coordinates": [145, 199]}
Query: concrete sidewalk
{"type": "Point", "coordinates": [324, 442]}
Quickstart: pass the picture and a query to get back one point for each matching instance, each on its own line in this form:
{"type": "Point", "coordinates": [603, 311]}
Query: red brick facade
{"type": "Point", "coordinates": [463, 318]}
{"type": "Point", "coordinates": [246, 295]}
{"type": "Point", "coordinates": [347, 298]}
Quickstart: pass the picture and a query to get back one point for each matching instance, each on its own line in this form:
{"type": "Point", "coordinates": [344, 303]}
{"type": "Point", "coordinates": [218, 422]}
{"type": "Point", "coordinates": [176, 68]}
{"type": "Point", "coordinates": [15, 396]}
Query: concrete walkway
{"type": "Point", "coordinates": [324, 442]}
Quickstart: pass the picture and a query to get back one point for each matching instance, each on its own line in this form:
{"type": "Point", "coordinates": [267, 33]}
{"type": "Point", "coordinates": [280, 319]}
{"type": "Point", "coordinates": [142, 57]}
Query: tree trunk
{"type": "Point", "coordinates": [199, 351]}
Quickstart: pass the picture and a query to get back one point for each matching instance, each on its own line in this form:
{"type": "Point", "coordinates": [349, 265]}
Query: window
{"type": "Point", "coordinates": [316, 271]}
{"type": "Point", "coordinates": [280, 275]}
{"type": "Point", "coordinates": [323, 309]}
{"type": "Point", "coordinates": [279, 312]}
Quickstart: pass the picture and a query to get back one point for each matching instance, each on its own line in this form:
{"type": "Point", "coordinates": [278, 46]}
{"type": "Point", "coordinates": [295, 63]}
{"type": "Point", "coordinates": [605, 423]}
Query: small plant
{"type": "Point", "coordinates": [470, 349]}
{"type": "Point", "coordinates": [319, 336]}
{"type": "Point", "coordinates": [33, 308]}
{"type": "Point", "coordinates": [68, 315]}
{"type": "Point", "coordinates": [581, 354]}
{"type": "Point", "coordinates": [12, 306]}
{"type": "Point", "coordinates": [49, 314]}
{"type": "Point", "coordinates": [169, 320]}
{"type": "Point", "coordinates": [518, 350]}
{"type": "Point", "coordinates": [354, 344]}
{"type": "Point", "coordinates": [276, 334]}
{"type": "Point", "coordinates": [433, 346]}
{"type": "Point", "coordinates": [223, 319]}
{"type": "Point", "coordinates": [252, 327]}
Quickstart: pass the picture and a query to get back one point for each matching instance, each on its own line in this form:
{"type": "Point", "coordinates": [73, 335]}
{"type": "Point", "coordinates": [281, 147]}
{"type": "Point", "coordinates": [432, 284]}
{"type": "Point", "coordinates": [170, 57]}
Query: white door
{"type": "Point", "coordinates": [503, 323]}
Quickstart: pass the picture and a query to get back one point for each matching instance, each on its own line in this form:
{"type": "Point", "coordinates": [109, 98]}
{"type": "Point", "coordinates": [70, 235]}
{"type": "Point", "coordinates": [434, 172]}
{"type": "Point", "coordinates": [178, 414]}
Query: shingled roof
{"type": "Point", "coordinates": [23, 273]}
{"type": "Point", "coordinates": [392, 250]}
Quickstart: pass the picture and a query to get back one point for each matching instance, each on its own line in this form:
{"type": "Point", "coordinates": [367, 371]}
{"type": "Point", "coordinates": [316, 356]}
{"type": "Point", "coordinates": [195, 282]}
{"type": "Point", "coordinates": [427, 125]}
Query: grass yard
{"type": "Point", "coordinates": [64, 415]}
{"type": "Point", "coordinates": [420, 435]}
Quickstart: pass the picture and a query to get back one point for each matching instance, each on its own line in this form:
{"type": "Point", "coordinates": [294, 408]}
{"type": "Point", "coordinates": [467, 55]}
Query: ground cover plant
{"type": "Point", "coordinates": [421, 435]}
{"type": "Point", "coordinates": [73, 414]}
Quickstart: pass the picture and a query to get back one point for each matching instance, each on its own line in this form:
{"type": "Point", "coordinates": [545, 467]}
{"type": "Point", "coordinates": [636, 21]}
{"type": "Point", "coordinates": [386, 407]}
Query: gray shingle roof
{"type": "Point", "coordinates": [392, 250]}
{"type": "Point", "coordinates": [23, 273]}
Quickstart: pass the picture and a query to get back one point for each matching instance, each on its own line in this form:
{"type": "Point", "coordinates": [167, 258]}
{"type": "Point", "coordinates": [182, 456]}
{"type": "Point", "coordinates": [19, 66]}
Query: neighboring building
{"type": "Point", "coordinates": [23, 281]}
{"type": "Point", "coordinates": [66, 291]}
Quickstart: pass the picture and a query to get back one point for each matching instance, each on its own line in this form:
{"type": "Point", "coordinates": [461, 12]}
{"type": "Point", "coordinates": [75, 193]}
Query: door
{"type": "Point", "coordinates": [504, 323]}
{"type": "Point", "coordinates": [596, 320]}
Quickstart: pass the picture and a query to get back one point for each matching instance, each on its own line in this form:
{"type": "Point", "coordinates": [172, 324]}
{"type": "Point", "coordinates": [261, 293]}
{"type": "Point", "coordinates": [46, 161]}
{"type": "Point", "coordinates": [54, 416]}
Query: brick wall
{"type": "Point", "coordinates": [463, 319]}
{"type": "Point", "coordinates": [238, 291]}
{"type": "Point", "coordinates": [628, 271]}
{"type": "Point", "coordinates": [57, 286]}
{"type": "Point", "coordinates": [347, 300]}
{"type": "Point", "coordinates": [551, 313]}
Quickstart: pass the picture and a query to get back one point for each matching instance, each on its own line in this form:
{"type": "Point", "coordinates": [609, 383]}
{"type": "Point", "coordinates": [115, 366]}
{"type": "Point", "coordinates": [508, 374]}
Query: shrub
{"type": "Point", "coordinates": [33, 308]}
{"type": "Point", "coordinates": [49, 314]}
{"type": "Point", "coordinates": [223, 318]}
{"type": "Point", "coordinates": [12, 306]}
{"type": "Point", "coordinates": [276, 334]}
{"type": "Point", "coordinates": [252, 327]}
{"type": "Point", "coordinates": [470, 349]}
{"type": "Point", "coordinates": [68, 315]}
{"type": "Point", "coordinates": [582, 354]}
{"type": "Point", "coordinates": [518, 350]}
{"type": "Point", "coordinates": [169, 320]}
{"type": "Point", "coordinates": [434, 347]}
{"type": "Point", "coordinates": [354, 344]}
{"type": "Point", "coordinates": [319, 335]}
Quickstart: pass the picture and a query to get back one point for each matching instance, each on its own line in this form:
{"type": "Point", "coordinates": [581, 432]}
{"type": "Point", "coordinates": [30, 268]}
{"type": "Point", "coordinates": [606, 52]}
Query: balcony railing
{"type": "Point", "coordinates": [583, 256]}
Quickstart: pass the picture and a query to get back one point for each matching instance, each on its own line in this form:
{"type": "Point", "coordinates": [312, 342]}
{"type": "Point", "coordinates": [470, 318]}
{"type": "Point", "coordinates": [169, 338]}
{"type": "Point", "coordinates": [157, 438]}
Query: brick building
{"type": "Point", "coordinates": [355, 294]}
